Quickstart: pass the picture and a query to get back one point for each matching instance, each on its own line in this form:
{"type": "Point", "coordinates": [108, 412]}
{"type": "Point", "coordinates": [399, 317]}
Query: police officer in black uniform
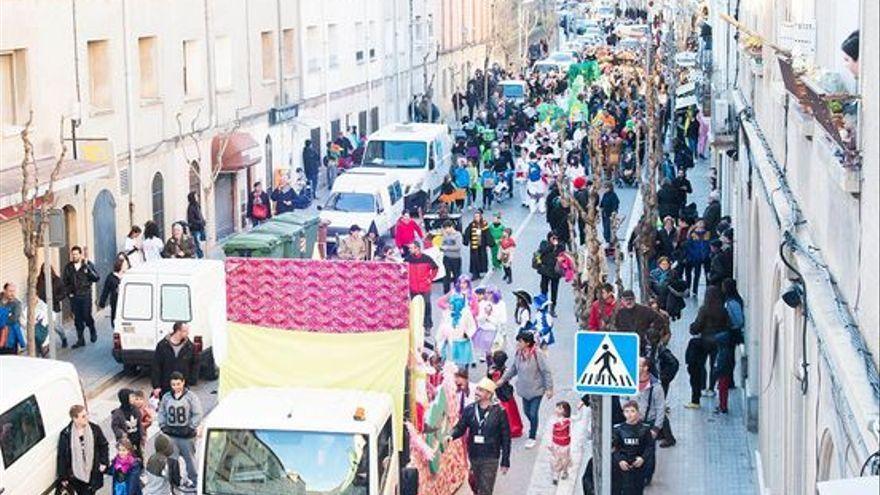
{"type": "Point", "coordinates": [633, 447]}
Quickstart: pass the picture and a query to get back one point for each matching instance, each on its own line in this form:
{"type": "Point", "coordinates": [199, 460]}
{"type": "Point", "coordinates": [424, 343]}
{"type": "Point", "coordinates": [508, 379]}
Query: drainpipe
{"type": "Point", "coordinates": [326, 75]}
{"type": "Point", "coordinates": [396, 66]}
{"type": "Point", "coordinates": [282, 99]}
{"type": "Point", "coordinates": [367, 69]}
{"type": "Point", "coordinates": [209, 57]}
{"type": "Point", "coordinates": [412, 49]}
{"type": "Point", "coordinates": [129, 104]}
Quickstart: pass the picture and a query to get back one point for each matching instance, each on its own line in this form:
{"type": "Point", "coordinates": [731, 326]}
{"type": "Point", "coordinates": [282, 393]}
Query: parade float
{"type": "Point", "coordinates": [322, 385]}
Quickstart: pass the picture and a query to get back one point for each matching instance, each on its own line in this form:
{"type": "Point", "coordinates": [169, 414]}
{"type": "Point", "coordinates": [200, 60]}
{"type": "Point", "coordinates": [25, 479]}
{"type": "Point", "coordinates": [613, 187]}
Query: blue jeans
{"type": "Point", "coordinates": [531, 407]}
{"type": "Point", "coordinates": [198, 238]}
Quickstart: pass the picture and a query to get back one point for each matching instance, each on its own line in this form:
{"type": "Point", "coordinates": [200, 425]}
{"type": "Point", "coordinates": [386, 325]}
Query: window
{"type": "Point", "coordinates": [335, 129]}
{"type": "Point", "coordinates": [147, 53]}
{"type": "Point", "coordinates": [359, 41]}
{"type": "Point", "coordinates": [223, 63]}
{"type": "Point", "coordinates": [313, 48]}
{"type": "Point", "coordinates": [288, 49]}
{"type": "Point", "coordinates": [158, 195]}
{"type": "Point", "coordinates": [14, 99]}
{"type": "Point", "coordinates": [374, 118]}
{"type": "Point", "coordinates": [175, 304]}
{"type": "Point", "coordinates": [192, 69]}
{"type": "Point", "coordinates": [23, 428]}
{"type": "Point", "coordinates": [371, 40]}
{"type": "Point", "coordinates": [333, 45]}
{"type": "Point", "coordinates": [267, 40]}
{"type": "Point", "coordinates": [100, 83]}
{"type": "Point", "coordinates": [418, 30]}
{"type": "Point", "coordinates": [137, 302]}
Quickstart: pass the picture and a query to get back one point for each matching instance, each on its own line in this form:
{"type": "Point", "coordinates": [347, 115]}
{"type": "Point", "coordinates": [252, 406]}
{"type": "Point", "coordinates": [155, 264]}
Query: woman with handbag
{"type": "Point", "coordinates": [533, 382]}
{"type": "Point", "coordinates": [505, 393]}
{"type": "Point", "coordinates": [258, 207]}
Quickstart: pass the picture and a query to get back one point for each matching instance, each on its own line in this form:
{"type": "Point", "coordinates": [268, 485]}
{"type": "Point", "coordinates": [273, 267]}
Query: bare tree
{"type": "Point", "coordinates": [35, 204]}
{"type": "Point", "coordinates": [195, 162]}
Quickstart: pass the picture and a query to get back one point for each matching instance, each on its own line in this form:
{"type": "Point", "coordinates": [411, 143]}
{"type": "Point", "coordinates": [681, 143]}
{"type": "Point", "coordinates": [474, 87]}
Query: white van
{"type": "Point", "coordinates": [34, 405]}
{"type": "Point", "coordinates": [362, 197]}
{"type": "Point", "coordinates": [296, 440]}
{"type": "Point", "coordinates": [419, 155]}
{"type": "Point", "coordinates": [514, 90]}
{"type": "Point", "coordinates": [154, 295]}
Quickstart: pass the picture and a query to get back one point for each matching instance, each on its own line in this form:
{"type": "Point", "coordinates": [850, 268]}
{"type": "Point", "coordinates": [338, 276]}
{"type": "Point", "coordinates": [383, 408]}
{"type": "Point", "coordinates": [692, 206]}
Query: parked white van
{"type": "Point", "coordinates": [154, 295]}
{"type": "Point", "coordinates": [362, 197]}
{"type": "Point", "coordinates": [34, 404]}
{"type": "Point", "coordinates": [419, 155]}
{"type": "Point", "coordinates": [293, 440]}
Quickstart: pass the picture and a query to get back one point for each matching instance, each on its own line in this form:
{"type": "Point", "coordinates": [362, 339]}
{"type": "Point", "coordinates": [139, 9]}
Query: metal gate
{"type": "Point", "coordinates": [224, 201]}
{"type": "Point", "coordinates": [104, 222]}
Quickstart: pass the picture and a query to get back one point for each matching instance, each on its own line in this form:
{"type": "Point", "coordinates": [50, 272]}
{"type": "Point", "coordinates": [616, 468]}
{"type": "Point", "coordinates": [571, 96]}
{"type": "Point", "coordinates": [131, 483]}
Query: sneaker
{"type": "Point", "coordinates": [555, 481]}
{"type": "Point", "coordinates": [718, 410]}
{"type": "Point", "coordinates": [666, 443]}
{"type": "Point", "coordinates": [79, 343]}
{"type": "Point", "coordinates": [710, 393]}
{"type": "Point", "coordinates": [94, 337]}
{"type": "Point", "coordinates": [530, 443]}
{"type": "Point", "coordinates": [565, 475]}
{"type": "Point", "coordinates": [691, 405]}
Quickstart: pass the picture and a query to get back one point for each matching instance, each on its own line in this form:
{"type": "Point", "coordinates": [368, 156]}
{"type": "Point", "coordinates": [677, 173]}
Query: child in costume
{"type": "Point", "coordinates": [456, 330]}
{"type": "Point", "coordinates": [505, 254]}
{"type": "Point", "coordinates": [491, 321]}
{"type": "Point", "coordinates": [560, 447]}
{"type": "Point", "coordinates": [504, 393]}
{"type": "Point", "coordinates": [543, 322]}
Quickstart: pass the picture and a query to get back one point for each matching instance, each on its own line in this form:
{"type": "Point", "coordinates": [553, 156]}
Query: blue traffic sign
{"type": "Point", "coordinates": [606, 363]}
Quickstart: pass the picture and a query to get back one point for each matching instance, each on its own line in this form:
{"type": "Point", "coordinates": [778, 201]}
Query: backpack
{"type": "Point", "coordinates": [537, 261]}
{"type": "Point", "coordinates": [668, 364]}
{"type": "Point", "coordinates": [534, 172]}
{"type": "Point", "coordinates": [462, 178]}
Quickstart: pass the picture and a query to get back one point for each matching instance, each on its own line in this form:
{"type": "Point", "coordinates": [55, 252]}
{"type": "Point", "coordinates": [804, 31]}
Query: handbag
{"type": "Point", "coordinates": [260, 211]}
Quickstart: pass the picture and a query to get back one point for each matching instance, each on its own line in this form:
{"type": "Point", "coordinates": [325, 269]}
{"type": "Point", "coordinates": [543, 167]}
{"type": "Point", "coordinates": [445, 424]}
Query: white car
{"type": "Point", "coordinates": [362, 197]}
{"type": "Point", "coordinates": [34, 405]}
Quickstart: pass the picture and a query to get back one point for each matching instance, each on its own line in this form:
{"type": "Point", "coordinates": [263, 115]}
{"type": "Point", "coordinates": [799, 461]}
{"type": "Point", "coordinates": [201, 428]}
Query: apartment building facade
{"type": "Point", "coordinates": [805, 218]}
{"type": "Point", "coordinates": [150, 91]}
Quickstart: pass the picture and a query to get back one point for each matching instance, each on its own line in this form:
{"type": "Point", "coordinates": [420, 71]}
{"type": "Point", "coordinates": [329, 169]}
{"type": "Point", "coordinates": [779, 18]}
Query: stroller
{"type": "Point", "coordinates": [627, 172]}
{"type": "Point", "coordinates": [501, 191]}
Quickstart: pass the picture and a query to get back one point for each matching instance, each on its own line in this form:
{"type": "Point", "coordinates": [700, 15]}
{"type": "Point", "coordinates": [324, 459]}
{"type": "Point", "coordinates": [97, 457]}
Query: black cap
{"type": "Point", "coordinates": [850, 46]}
{"type": "Point", "coordinates": [354, 228]}
{"type": "Point", "coordinates": [628, 294]}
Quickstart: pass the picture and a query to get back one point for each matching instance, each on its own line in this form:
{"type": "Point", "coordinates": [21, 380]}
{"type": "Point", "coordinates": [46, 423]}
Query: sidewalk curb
{"type": "Point", "coordinates": [104, 383]}
{"type": "Point", "coordinates": [541, 469]}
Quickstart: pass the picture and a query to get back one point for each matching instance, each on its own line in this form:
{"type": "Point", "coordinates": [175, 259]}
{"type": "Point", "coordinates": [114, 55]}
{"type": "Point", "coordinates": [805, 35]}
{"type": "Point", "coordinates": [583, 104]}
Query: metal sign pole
{"type": "Point", "coordinates": [50, 313]}
{"type": "Point", "coordinates": [606, 446]}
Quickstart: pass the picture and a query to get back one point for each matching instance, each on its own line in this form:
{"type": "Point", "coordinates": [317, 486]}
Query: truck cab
{"type": "Point", "coordinates": [419, 155]}
{"type": "Point", "coordinates": [363, 198]}
{"type": "Point", "coordinates": [155, 295]}
{"type": "Point", "coordinates": [299, 441]}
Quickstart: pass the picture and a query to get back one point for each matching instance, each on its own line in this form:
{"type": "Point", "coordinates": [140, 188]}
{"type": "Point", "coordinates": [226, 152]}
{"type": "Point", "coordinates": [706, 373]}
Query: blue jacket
{"type": "Point", "coordinates": [697, 251]}
{"type": "Point", "coordinates": [15, 340]}
{"type": "Point", "coordinates": [126, 483]}
{"type": "Point", "coordinates": [735, 313]}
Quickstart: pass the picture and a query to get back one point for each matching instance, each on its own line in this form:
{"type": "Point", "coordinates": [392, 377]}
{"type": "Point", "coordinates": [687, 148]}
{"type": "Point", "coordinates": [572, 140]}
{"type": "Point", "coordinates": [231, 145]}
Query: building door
{"type": "Point", "coordinates": [362, 123]}
{"type": "Point", "coordinates": [64, 252]}
{"type": "Point", "coordinates": [104, 222]}
{"type": "Point", "coordinates": [157, 190]}
{"type": "Point", "coordinates": [224, 201]}
{"type": "Point", "coordinates": [374, 119]}
{"type": "Point", "coordinates": [316, 141]}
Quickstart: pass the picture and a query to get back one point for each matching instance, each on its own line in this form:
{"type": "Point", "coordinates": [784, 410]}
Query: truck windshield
{"type": "Point", "coordinates": [351, 202]}
{"type": "Point", "coordinates": [276, 462]}
{"type": "Point", "coordinates": [396, 154]}
{"type": "Point", "coordinates": [512, 90]}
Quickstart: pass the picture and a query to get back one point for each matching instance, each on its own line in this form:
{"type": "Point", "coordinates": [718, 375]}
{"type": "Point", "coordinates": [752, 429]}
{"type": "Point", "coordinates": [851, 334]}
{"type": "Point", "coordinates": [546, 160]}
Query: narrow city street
{"type": "Point", "coordinates": [247, 202]}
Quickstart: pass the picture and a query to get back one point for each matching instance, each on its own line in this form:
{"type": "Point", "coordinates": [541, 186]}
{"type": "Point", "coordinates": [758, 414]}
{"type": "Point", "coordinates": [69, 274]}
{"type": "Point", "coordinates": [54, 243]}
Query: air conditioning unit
{"type": "Point", "coordinates": [721, 118]}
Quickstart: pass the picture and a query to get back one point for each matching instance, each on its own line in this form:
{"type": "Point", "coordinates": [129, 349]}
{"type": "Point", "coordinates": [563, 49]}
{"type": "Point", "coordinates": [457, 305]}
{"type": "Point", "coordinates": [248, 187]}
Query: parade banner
{"type": "Point", "coordinates": [268, 357]}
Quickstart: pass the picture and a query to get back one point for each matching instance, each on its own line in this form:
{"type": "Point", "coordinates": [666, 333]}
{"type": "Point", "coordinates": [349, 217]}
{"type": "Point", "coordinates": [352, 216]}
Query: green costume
{"type": "Point", "coordinates": [496, 229]}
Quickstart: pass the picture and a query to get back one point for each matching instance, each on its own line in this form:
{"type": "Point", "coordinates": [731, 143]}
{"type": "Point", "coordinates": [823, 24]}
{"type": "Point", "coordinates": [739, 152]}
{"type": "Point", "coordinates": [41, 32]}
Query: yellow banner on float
{"type": "Point", "coordinates": [269, 357]}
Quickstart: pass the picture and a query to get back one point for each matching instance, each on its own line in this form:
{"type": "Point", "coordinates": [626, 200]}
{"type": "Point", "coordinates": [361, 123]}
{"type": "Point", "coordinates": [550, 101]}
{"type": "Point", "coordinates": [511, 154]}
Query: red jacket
{"type": "Point", "coordinates": [422, 271]}
{"type": "Point", "coordinates": [597, 314]}
{"type": "Point", "coordinates": [405, 233]}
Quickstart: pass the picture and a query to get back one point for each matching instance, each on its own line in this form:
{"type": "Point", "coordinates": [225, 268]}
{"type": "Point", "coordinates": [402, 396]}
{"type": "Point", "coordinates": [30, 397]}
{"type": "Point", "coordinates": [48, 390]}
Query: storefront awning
{"type": "Point", "coordinates": [242, 151]}
{"type": "Point", "coordinates": [72, 173]}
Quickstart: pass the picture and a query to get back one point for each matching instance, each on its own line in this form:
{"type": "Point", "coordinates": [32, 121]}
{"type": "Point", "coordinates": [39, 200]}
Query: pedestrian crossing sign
{"type": "Point", "coordinates": [606, 363]}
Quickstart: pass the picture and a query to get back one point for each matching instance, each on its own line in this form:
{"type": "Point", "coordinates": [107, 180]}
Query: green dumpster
{"type": "Point", "coordinates": [254, 245]}
{"type": "Point", "coordinates": [308, 222]}
{"type": "Point", "coordinates": [290, 234]}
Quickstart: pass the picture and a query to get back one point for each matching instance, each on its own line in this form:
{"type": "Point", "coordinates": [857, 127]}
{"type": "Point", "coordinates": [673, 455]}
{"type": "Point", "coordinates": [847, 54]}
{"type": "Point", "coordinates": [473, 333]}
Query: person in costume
{"type": "Point", "coordinates": [522, 313]}
{"type": "Point", "coordinates": [496, 231]}
{"type": "Point", "coordinates": [456, 330]}
{"type": "Point", "coordinates": [476, 236]}
{"type": "Point", "coordinates": [504, 393]}
{"type": "Point", "coordinates": [543, 321]}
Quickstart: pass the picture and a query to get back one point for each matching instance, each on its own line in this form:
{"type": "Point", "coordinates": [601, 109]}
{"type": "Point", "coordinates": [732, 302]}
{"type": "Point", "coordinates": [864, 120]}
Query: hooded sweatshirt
{"type": "Point", "coordinates": [163, 469]}
{"type": "Point", "coordinates": [126, 419]}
